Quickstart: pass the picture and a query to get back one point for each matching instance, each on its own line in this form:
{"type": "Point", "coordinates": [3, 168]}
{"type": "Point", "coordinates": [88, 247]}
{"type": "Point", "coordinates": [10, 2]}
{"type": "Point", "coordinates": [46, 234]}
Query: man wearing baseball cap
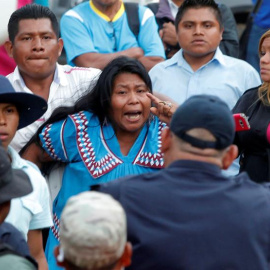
{"type": "Point", "coordinates": [93, 234]}
{"type": "Point", "coordinates": [189, 215]}
{"type": "Point", "coordinates": [29, 214]}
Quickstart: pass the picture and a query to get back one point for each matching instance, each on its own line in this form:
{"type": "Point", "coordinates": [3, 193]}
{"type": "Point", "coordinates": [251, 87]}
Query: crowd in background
{"type": "Point", "coordinates": [149, 108]}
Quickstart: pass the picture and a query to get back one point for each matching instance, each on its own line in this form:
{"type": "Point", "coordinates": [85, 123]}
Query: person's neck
{"type": "Point", "coordinates": [110, 10]}
{"type": "Point", "coordinates": [126, 140]}
{"type": "Point", "coordinates": [197, 62]}
{"type": "Point", "coordinates": [172, 156]}
{"type": "Point", "coordinates": [39, 86]}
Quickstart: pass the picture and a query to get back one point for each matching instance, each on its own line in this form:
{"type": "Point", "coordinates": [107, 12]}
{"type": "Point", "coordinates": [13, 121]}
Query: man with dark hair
{"type": "Point", "coordinates": [166, 11]}
{"type": "Point", "coordinates": [190, 216]}
{"type": "Point", "coordinates": [35, 46]}
{"type": "Point", "coordinates": [199, 67]}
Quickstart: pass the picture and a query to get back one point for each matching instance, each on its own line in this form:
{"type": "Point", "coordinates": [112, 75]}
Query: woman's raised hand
{"type": "Point", "coordinates": [162, 109]}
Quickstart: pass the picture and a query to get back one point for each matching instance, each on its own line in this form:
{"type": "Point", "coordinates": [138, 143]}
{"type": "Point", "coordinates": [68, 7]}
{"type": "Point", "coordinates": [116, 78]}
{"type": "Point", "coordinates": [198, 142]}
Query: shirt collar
{"type": "Point", "coordinates": [104, 16]}
{"type": "Point", "coordinates": [59, 77]}
{"type": "Point", "coordinates": [199, 165]}
{"type": "Point", "coordinates": [173, 7]}
{"type": "Point", "coordinates": [179, 59]}
{"type": "Point", "coordinates": [17, 162]}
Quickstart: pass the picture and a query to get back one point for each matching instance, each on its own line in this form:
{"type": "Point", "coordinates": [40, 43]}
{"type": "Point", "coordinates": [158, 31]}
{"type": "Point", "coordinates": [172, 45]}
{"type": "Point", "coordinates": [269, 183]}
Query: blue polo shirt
{"type": "Point", "coordinates": [85, 29]}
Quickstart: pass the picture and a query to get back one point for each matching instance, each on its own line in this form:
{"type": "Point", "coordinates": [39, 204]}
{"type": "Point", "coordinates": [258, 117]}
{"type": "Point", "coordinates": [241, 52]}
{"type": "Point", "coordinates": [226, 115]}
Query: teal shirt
{"type": "Point", "coordinates": [42, 2]}
{"type": "Point", "coordinates": [85, 29]}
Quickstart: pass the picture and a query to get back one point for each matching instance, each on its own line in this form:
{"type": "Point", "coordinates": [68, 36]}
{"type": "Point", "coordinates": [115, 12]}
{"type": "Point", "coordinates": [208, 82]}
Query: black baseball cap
{"type": "Point", "coordinates": [208, 112]}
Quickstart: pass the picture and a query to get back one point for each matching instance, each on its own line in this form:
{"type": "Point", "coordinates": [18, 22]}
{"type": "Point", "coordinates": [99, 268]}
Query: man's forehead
{"type": "Point", "coordinates": [202, 13]}
{"type": "Point", "coordinates": [35, 25]}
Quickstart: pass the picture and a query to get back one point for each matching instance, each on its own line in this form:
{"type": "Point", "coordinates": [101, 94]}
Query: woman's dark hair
{"type": "Point", "coordinates": [98, 100]}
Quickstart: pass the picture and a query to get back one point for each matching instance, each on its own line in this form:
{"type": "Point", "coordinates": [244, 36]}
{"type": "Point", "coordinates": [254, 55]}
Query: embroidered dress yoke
{"type": "Point", "coordinates": [93, 156]}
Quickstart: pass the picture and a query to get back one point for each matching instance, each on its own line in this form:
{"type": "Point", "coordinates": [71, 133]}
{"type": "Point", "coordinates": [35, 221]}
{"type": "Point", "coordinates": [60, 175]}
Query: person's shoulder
{"type": "Point", "coordinates": [14, 261]}
{"type": "Point", "coordinates": [7, 228]}
{"type": "Point", "coordinates": [250, 95]}
{"type": "Point", "coordinates": [78, 79]}
{"type": "Point", "coordinates": [248, 99]}
{"type": "Point", "coordinates": [120, 185]}
{"type": "Point", "coordinates": [10, 76]}
{"type": "Point", "coordinates": [77, 10]}
{"type": "Point", "coordinates": [84, 119]}
{"type": "Point", "coordinates": [79, 72]}
{"type": "Point", "coordinates": [249, 186]}
{"type": "Point", "coordinates": [232, 61]}
{"type": "Point", "coordinates": [169, 63]}
{"type": "Point", "coordinates": [37, 180]}
{"type": "Point", "coordinates": [13, 76]}
{"type": "Point", "coordinates": [144, 9]}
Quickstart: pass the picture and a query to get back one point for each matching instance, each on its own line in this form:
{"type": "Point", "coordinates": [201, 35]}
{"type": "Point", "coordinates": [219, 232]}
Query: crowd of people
{"type": "Point", "coordinates": [128, 156]}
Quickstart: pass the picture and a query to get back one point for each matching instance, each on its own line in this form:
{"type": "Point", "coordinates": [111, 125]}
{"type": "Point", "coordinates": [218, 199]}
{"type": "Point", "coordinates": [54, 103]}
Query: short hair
{"type": "Point", "coordinates": [31, 11]}
{"type": "Point", "coordinates": [188, 4]}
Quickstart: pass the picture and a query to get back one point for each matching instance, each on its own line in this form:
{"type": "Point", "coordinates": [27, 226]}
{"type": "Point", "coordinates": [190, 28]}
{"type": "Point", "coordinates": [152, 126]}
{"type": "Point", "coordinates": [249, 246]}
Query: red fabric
{"type": "Point", "coordinates": [268, 133]}
{"type": "Point", "coordinates": [22, 3]}
{"type": "Point", "coordinates": [7, 64]}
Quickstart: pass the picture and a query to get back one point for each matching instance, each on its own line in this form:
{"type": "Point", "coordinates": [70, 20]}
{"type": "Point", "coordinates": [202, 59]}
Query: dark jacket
{"type": "Point", "coordinates": [253, 144]}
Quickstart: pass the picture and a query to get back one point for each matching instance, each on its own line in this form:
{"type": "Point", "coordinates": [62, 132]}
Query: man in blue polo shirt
{"type": "Point", "coordinates": [97, 31]}
{"type": "Point", "coordinates": [189, 215]}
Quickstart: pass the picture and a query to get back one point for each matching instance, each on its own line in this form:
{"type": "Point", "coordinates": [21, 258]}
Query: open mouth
{"type": "Point", "coordinates": [133, 116]}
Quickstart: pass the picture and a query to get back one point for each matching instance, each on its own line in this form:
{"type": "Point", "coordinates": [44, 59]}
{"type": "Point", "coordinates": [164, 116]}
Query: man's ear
{"type": "Point", "coordinates": [9, 48]}
{"type": "Point", "coordinates": [165, 139]}
{"type": "Point", "coordinates": [60, 46]}
{"type": "Point", "coordinates": [221, 33]}
{"type": "Point", "coordinates": [229, 156]}
{"type": "Point", "coordinates": [125, 259]}
{"type": "Point", "coordinates": [59, 257]}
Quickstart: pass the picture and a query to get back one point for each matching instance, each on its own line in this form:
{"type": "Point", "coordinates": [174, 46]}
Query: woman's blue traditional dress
{"type": "Point", "coordinates": [92, 155]}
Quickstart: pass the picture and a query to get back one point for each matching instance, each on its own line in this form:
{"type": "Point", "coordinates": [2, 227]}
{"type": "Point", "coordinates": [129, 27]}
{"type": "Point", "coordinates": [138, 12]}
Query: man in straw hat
{"type": "Point", "coordinates": [93, 234]}
{"type": "Point", "coordinates": [30, 213]}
